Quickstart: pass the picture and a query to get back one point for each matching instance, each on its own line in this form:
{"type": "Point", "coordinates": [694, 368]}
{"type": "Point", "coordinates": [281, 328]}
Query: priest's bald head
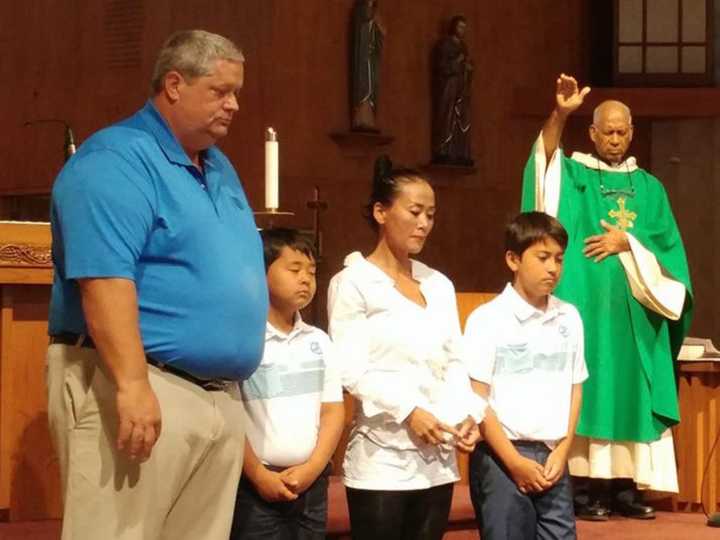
{"type": "Point", "coordinates": [611, 130]}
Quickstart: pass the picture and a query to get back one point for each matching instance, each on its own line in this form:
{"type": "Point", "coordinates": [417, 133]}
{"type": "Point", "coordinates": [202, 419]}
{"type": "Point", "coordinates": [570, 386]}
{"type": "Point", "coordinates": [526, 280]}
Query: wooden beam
{"type": "Point", "coordinates": [644, 102]}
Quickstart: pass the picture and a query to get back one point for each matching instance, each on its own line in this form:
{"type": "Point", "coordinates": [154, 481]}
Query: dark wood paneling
{"type": "Point", "coordinates": [59, 62]}
{"type": "Point", "coordinates": [63, 60]}
{"type": "Point", "coordinates": [644, 102]}
{"type": "Point", "coordinates": [685, 158]}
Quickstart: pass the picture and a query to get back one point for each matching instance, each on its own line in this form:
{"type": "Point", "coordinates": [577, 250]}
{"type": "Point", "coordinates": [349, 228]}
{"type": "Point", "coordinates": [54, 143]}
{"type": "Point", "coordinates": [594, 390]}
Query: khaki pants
{"type": "Point", "coordinates": [186, 490]}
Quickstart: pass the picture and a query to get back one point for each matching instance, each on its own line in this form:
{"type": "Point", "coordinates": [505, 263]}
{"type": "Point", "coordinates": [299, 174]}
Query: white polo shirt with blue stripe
{"type": "Point", "coordinates": [530, 359]}
{"type": "Point", "coordinates": [283, 398]}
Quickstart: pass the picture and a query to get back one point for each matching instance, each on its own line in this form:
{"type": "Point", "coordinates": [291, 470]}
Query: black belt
{"type": "Point", "coordinates": [528, 443]}
{"type": "Point", "coordinates": [209, 385]}
{"type": "Point", "coordinates": [76, 340]}
{"type": "Point", "coordinates": [80, 340]}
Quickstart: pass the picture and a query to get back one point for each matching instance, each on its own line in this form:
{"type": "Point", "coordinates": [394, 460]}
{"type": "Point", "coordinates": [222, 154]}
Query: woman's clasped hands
{"type": "Point", "coordinates": [464, 436]}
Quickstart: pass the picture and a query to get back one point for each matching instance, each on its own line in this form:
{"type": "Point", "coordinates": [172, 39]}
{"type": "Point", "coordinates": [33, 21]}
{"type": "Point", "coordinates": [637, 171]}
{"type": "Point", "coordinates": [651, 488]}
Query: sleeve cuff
{"type": "Point", "coordinates": [479, 406]}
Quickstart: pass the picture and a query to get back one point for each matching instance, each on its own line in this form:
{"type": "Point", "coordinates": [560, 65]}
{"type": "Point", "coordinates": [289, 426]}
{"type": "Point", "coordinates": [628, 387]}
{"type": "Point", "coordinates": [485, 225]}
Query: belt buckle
{"type": "Point", "coordinates": [215, 385]}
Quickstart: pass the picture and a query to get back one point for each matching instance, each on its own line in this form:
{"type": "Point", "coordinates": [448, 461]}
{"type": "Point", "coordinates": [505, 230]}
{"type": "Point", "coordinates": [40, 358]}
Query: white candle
{"type": "Point", "coordinates": [272, 167]}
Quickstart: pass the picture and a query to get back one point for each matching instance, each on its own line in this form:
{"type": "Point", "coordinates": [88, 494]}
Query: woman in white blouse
{"type": "Point", "coordinates": [395, 323]}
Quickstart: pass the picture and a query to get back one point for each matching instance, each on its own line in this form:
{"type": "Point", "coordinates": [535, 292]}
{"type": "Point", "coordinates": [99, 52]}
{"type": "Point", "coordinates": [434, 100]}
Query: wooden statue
{"type": "Point", "coordinates": [452, 84]}
{"type": "Point", "coordinates": [367, 34]}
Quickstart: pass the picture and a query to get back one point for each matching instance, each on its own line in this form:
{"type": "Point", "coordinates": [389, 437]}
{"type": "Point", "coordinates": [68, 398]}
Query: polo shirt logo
{"type": "Point", "coordinates": [564, 332]}
{"type": "Point", "coordinates": [315, 348]}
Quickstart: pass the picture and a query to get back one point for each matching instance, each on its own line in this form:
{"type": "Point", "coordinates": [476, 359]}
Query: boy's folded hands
{"type": "Point", "coordinates": [299, 478]}
{"type": "Point", "coordinates": [555, 465]}
{"type": "Point", "coordinates": [529, 475]}
{"type": "Point", "coordinates": [272, 488]}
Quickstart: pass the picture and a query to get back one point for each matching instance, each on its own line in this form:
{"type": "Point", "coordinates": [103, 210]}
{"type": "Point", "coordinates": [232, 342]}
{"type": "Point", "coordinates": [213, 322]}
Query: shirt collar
{"type": "Point", "coordinates": [167, 141]}
{"type": "Point", "coordinates": [299, 327]}
{"type": "Point", "coordinates": [525, 311]}
{"type": "Point", "coordinates": [420, 271]}
{"type": "Point", "coordinates": [593, 162]}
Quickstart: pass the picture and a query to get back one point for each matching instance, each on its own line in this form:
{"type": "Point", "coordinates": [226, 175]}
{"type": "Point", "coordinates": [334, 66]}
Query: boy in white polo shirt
{"type": "Point", "coordinates": [525, 354]}
{"type": "Point", "coordinates": [293, 404]}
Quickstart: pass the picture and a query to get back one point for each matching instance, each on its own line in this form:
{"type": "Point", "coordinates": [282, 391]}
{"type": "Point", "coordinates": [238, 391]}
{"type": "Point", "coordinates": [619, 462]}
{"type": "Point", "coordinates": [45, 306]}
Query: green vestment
{"type": "Point", "coordinates": [631, 394]}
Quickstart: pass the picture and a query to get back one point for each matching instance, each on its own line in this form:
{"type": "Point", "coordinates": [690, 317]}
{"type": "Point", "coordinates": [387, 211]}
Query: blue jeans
{"type": "Point", "coordinates": [305, 518]}
{"type": "Point", "coordinates": [504, 513]}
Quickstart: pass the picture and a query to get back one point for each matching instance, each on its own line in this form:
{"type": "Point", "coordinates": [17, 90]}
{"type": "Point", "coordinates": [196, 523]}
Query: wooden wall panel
{"type": "Point", "coordinates": [685, 158]}
{"type": "Point", "coordinates": [697, 456]}
{"type": "Point", "coordinates": [30, 485]}
{"type": "Point", "coordinates": [61, 59]}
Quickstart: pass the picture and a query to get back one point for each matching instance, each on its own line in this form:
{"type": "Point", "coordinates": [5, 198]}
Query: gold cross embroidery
{"type": "Point", "coordinates": [623, 217]}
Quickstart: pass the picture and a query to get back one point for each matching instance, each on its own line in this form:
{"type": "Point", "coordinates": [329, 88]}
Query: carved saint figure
{"type": "Point", "coordinates": [452, 83]}
{"type": "Point", "coordinates": [367, 41]}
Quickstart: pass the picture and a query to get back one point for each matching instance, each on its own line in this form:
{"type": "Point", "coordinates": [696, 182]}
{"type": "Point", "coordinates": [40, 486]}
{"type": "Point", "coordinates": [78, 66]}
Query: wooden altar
{"type": "Point", "coordinates": [29, 476]}
{"type": "Point", "coordinates": [695, 436]}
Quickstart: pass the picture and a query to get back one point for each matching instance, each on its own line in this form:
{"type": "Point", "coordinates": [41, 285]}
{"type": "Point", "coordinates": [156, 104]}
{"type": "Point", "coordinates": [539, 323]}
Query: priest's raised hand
{"type": "Point", "coordinates": [568, 95]}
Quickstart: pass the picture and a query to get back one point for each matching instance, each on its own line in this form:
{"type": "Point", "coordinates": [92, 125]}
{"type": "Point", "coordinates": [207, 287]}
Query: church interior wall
{"type": "Point", "coordinates": [89, 63]}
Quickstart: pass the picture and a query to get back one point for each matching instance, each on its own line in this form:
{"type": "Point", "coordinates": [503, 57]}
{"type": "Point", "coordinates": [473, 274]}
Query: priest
{"type": "Point", "coordinates": [626, 271]}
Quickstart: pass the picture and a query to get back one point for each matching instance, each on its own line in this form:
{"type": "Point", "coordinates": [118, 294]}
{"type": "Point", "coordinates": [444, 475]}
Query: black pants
{"type": "Point", "coordinates": [302, 519]}
{"type": "Point", "coordinates": [605, 492]}
{"type": "Point", "coordinates": [420, 514]}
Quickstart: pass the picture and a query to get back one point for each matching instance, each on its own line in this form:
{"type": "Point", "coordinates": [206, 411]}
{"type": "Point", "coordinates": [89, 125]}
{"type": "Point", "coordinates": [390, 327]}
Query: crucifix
{"type": "Point", "coordinates": [317, 205]}
{"type": "Point", "coordinates": [623, 217]}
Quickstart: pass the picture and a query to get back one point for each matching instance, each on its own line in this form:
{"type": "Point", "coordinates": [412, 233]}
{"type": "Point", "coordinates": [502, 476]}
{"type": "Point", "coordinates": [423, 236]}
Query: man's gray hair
{"type": "Point", "coordinates": [619, 104]}
{"type": "Point", "coordinates": [192, 53]}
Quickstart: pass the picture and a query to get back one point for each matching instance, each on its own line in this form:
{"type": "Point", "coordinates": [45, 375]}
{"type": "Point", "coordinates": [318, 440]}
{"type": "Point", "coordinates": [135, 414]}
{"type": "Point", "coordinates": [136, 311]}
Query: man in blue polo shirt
{"type": "Point", "coordinates": [159, 303]}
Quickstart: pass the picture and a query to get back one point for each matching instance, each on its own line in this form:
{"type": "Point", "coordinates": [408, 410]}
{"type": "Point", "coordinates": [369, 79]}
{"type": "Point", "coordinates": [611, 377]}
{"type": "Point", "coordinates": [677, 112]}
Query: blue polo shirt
{"type": "Point", "coordinates": [130, 204]}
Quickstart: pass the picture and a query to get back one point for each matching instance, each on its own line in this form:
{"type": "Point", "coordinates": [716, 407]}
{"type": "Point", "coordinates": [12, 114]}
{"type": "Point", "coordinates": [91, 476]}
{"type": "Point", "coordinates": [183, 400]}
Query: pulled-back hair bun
{"type": "Point", "coordinates": [383, 168]}
{"type": "Point", "coordinates": [386, 184]}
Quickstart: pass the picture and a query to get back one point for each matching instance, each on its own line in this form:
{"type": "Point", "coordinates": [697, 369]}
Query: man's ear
{"type": "Point", "coordinates": [512, 259]}
{"type": "Point", "coordinates": [592, 131]}
{"type": "Point", "coordinates": [172, 83]}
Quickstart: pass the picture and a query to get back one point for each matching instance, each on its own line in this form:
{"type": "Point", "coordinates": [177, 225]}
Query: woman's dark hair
{"type": "Point", "coordinates": [387, 183]}
{"type": "Point", "coordinates": [529, 228]}
{"type": "Point", "coordinates": [274, 240]}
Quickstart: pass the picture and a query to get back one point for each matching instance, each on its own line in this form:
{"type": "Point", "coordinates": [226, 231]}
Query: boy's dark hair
{"type": "Point", "coordinates": [275, 239]}
{"type": "Point", "coordinates": [529, 228]}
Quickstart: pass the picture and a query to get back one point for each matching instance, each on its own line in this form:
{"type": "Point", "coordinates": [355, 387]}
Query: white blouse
{"type": "Point", "coordinates": [396, 355]}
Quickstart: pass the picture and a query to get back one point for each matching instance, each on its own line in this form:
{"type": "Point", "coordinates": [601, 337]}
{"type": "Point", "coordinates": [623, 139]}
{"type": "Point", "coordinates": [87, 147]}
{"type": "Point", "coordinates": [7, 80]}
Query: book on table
{"type": "Point", "coordinates": [694, 348]}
